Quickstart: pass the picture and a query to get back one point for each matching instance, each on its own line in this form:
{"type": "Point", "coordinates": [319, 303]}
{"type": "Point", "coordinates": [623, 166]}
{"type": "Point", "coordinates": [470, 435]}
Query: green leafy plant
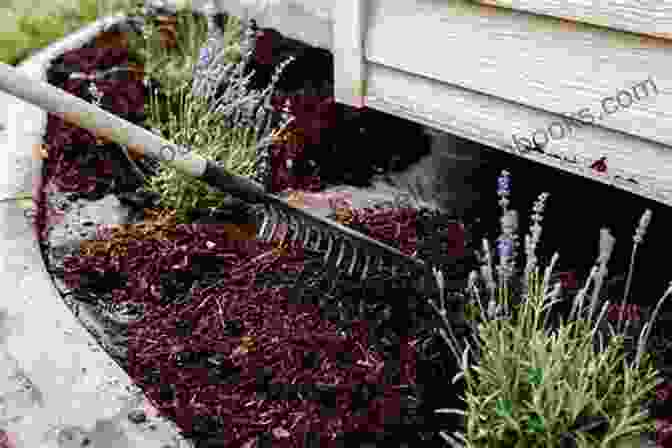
{"type": "Point", "coordinates": [531, 384]}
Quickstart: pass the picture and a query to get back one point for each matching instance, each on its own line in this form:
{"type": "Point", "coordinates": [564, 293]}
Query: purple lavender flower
{"type": "Point", "coordinates": [204, 57]}
{"type": "Point", "coordinates": [504, 247]}
{"type": "Point", "coordinates": [503, 184]}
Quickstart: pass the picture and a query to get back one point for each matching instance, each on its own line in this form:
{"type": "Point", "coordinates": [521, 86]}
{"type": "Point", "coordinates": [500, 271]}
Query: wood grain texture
{"type": "Point", "coordinates": [349, 31]}
{"type": "Point", "coordinates": [652, 17]}
{"type": "Point", "coordinates": [491, 121]}
{"type": "Point", "coordinates": [530, 60]}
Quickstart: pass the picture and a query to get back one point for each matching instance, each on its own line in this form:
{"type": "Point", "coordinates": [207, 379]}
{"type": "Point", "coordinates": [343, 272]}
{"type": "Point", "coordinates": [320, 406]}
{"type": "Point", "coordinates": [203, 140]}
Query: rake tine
{"type": "Point", "coordinates": [395, 268]}
{"type": "Point", "coordinates": [298, 232]}
{"type": "Point", "coordinates": [330, 242]}
{"type": "Point", "coordinates": [380, 265]}
{"type": "Point", "coordinates": [341, 252]}
{"type": "Point", "coordinates": [318, 243]}
{"type": "Point", "coordinates": [362, 308]}
{"type": "Point", "coordinates": [296, 228]}
{"type": "Point", "coordinates": [275, 222]}
{"type": "Point", "coordinates": [365, 270]}
{"type": "Point", "coordinates": [283, 224]}
{"type": "Point", "coordinates": [266, 220]}
{"type": "Point", "coordinates": [306, 236]}
{"type": "Point", "coordinates": [351, 269]}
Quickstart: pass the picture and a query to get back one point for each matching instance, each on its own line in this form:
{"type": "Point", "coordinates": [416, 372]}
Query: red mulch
{"type": "Point", "coordinates": [241, 358]}
{"type": "Point", "coordinates": [275, 334]}
{"type": "Point", "coordinates": [312, 114]}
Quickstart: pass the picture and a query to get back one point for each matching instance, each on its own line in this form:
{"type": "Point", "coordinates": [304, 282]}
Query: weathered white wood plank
{"type": "Point", "coordinates": [652, 17]}
{"type": "Point", "coordinates": [535, 61]}
{"type": "Point", "coordinates": [491, 121]}
{"type": "Point", "coordinates": [349, 33]}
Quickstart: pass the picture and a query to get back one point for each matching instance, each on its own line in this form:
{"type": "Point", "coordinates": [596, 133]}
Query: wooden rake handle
{"type": "Point", "coordinates": [139, 141]}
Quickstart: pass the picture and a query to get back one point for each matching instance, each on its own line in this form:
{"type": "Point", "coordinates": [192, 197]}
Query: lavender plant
{"type": "Point", "coordinates": [217, 116]}
{"type": "Point", "coordinates": [531, 385]}
{"type": "Point", "coordinates": [225, 87]}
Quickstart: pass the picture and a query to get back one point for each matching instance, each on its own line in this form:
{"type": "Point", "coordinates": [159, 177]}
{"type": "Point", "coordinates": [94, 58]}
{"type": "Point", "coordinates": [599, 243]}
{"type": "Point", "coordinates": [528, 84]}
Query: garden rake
{"type": "Point", "coordinates": [347, 248]}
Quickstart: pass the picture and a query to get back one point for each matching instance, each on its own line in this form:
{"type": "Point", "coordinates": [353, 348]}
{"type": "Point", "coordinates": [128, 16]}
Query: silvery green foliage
{"type": "Point", "coordinates": [225, 88]}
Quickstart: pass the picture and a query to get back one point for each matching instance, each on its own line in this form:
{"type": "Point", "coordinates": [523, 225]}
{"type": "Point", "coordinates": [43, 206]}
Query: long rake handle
{"type": "Point", "coordinates": [104, 124]}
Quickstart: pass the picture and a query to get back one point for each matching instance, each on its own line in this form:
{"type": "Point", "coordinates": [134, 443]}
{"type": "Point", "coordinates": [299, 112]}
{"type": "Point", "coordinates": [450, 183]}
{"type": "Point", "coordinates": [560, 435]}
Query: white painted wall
{"type": "Point", "coordinates": [652, 17]}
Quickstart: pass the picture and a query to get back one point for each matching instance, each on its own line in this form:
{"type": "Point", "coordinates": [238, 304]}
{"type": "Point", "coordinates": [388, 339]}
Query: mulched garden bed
{"type": "Point", "coordinates": [244, 343]}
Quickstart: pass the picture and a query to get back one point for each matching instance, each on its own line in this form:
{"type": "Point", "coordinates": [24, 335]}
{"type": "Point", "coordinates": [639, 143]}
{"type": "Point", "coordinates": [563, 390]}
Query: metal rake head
{"type": "Point", "coordinates": [356, 253]}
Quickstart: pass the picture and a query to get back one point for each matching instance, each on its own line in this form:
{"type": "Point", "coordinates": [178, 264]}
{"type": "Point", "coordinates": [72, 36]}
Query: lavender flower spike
{"type": "Point", "coordinates": [504, 183]}
{"type": "Point", "coordinates": [504, 248]}
{"type": "Point", "coordinates": [637, 238]}
{"type": "Point", "coordinates": [643, 225]}
{"type": "Point", "coordinates": [606, 247]}
{"type": "Point", "coordinates": [504, 189]}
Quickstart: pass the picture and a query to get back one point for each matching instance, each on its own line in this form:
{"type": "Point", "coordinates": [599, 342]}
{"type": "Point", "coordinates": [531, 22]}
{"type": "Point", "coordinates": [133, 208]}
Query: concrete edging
{"type": "Point", "coordinates": [58, 387]}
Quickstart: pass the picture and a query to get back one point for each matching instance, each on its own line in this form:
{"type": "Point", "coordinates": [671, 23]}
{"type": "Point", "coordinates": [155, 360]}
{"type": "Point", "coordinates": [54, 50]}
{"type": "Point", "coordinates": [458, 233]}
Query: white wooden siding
{"type": "Point", "coordinates": [501, 53]}
{"type": "Point", "coordinates": [491, 121]}
{"type": "Point", "coordinates": [652, 17]}
{"type": "Point", "coordinates": [485, 73]}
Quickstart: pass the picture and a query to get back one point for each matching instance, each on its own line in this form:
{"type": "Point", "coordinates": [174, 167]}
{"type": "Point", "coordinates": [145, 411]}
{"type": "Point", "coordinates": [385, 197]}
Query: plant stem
{"type": "Point", "coordinates": [627, 286]}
